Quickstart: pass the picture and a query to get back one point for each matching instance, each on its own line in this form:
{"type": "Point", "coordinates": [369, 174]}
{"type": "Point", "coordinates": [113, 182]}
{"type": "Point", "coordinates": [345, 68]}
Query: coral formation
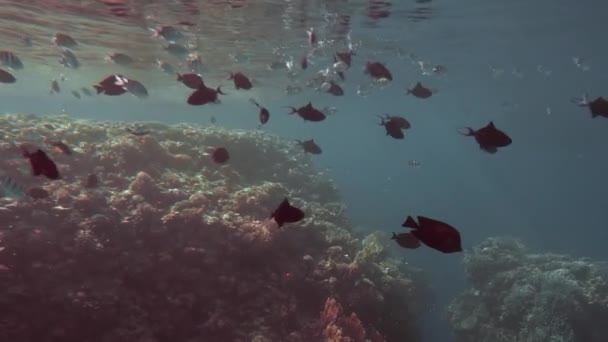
{"type": "Point", "coordinates": [165, 245]}
{"type": "Point", "coordinates": [518, 296]}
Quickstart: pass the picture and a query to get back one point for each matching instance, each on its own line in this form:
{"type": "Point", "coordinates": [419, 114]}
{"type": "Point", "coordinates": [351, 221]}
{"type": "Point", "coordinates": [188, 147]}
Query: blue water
{"type": "Point", "coordinates": [547, 188]}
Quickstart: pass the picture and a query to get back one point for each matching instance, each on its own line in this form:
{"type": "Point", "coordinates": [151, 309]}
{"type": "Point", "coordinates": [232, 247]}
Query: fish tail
{"type": "Point", "coordinates": [98, 88]}
{"type": "Point", "coordinates": [254, 102]}
{"type": "Point", "coordinates": [219, 90]}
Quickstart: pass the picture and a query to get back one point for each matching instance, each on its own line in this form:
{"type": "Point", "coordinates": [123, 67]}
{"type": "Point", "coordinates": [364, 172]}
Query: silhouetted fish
{"type": "Point", "coordinates": [378, 71]}
{"type": "Point", "coordinates": [120, 58]}
{"type": "Point", "coordinates": [204, 95]}
{"type": "Point", "coordinates": [240, 81]}
{"type": "Point", "coordinates": [9, 59]}
{"type": "Point", "coordinates": [64, 40]}
{"type": "Point", "coordinates": [41, 164]}
{"type": "Point", "coordinates": [310, 146]}
{"type": "Point", "coordinates": [6, 77]}
{"type": "Point", "coordinates": [489, 137]}
{"type": "Point", "coordinates": [286, 213]}
{"type": "Point", "coordinates": [220, 155]}
{"type": "Point", "coordinates": [392, 127]}
{"type": "Point", "coordinates": [420, 91]}
{"type": "Point", "coordinates": [68, 59]}
{"type": "Point", "coordinates": [308, 113]}
{"type": "Point", "coordinates": [406, 240]}
{"type": "Point", "coordinates": [263, 115]}
{"type": "Point", "coordinates": [191, 80]}
{"type": "Point", "coordinates": [435, 234]}
{"type": "Point", "coordinates": [597, 107]}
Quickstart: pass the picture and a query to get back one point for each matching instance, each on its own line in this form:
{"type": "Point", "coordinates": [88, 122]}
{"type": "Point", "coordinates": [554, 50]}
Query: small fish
{"type": "Point", "coordinates": [91, 181]}
{"type": "Point", "coordinates": [120, 58]}
{"type": "Point", "coordinates": [220, 155]}
{"type": "Point", "coordinates": [134, 87]}
{"type": "Point", "coordinates": [435, 234]}
{"type": "Point", "coordinates": [333, 88]}
{"type": "Point", "coordinates": [68, 59]}
{"type": "Point", "coordinates": [597, 107]}
{"type": "Point", "coordinates": [489, 137]}
{"type": "Point", "coordinates": [168, 33]}
{"type": "Point", "coordinates": [378, 71]}
{"type": "Point", "coordinates": [61, 147]}
{"type": "Point", "coordinates": [55, 87]}
{"type": "Point", "coordinates": [400, 121]}
{"type": "Point", "coordinates": [204, 95]}
{"type": "Point", "coordinates": [112, 85]}
{"type": "Point", "coordinates": [165, 67]}
{"type": "Point", "coordinates": [392, 127]}
{"type": "Point", "coordinates": [345, 57]}
{"type": "Point", "coordinates": [420, 91]}
{"type": "Point", "coordinates": [264, 114]}
{"type": "Point", "coordinates": [6, 77]}
{"type": "Point", "coordinates": [191, 80]}
{"type": "Point", "coordinates": [41, 164]}
{"type": "Point", "coordinates": [177, 50]}
{"type": "Point", "coordinates": [76, 94]}
{"type": "Point", "coordinates": [37, 193]}
{"type": "Point", "coordinates": [64, 40]}
{"type": "Point", "coordinates": [304, 62]}
{"type": "Point", "coordinates": [9, 59]}
{"type": "Point", "coordinates": [286, 213]}
{"type": "Point", "coordinates": [308, 113]}
{"type": "Point", "coordinates": [310, 146]}
{"type": "Point", "coordinates": [406, 240]}
{"type": "Point", "coordinates": [137, 131]}
{"type": "Point", "coordinates": [86, 91]}
{"type": "Point", "coordinates": [9, 188]}
{"type": "Point", "coordinates": [240, 81]}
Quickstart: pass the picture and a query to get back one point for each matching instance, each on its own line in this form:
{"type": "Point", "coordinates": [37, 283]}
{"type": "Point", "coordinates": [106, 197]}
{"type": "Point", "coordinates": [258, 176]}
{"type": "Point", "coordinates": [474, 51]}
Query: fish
{"type": "Point", "coordinates": [120, 58]}
{"type": "Point", "coordinates": [86, 91]}
{"type": "Point", "coordinates": [420, 91]}
{"type": "Point", "coordinates": [308, 113]}
{"type": "Point", "coordinates": [9, 188]}
{"type": "Point", "coordinates": [220, 155]}
{"type": "Point", "coordinates": [41, 164]}
{"type": "Point", "coordinates": [312, 37]}
{"type": "Point", "coordinates": [37, 193]}
{"type": "Point", "coordinates": [6, 77]}
{"type": "Point", "coordinates": [68, 59]}
{"type": "Point", "coordinates": [286, 213]}
{"type": "Point", "coordinates": [597, 107]}
{"type": "Point", "coordinates": [165, 67]}
{"type": "Point", "coordinates": [204, 95]}
{"type": "Point", "coordinates": [76, 94]}
{"type": "Point", "coordinates": [112, 85]}
{"type": "Point", "coordinates": [435, 234]}
{"type": "Point", "coordinates": [399, 121]}
{"type": "Point", "coordinates": [177, 50]}
{"type": "Point", "coordinates": [489, 137]}
{"type": "Point", "coordinates": [304, 62]}
{"type": "Point", "coordinates": [345, 57]}
{"type": "Point", "coordinates": [10, 60]}
{"type": "Point", "coordinates": [263, 115]}
{"type": "Point", "coordinates": [310, 146]}
{"type": "Point", "coordinates": [61, 147]}
{"type": "Point", "coordinates": [406, 240]}
{"type": "Point", "coordinates": [392, 127]}
{"type": "Point", "coordinates": [333, 88]}
{"type": "Point", "coordinates": [378, 71]}
{"type": "Point", "coordinates": [191, 80]}
{"type": "Point", "coordinates": [168, 33]}
{"type": "Point", "coordinates": [137, 131]}
{"type": "Point", "coordinates": [55, 87]}
{"type": "Point", "coordinates": [134, 87]}
{"type": "Point", "coordinates": [64, 40]}
{"type": "Point", "coordinates": [240, 81]}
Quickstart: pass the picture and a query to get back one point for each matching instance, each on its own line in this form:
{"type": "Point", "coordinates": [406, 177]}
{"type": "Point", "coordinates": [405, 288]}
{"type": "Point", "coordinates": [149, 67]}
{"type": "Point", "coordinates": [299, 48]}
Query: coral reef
{"type": "Point", "coordinates": [165, 245]}
{"type": "Point", "coordinates": [518, 296]}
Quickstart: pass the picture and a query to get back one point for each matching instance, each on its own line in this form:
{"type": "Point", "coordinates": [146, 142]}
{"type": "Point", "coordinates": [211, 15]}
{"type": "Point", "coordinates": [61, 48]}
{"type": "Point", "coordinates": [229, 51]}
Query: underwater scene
{"type": "Point", "coordinates": [303, 171]}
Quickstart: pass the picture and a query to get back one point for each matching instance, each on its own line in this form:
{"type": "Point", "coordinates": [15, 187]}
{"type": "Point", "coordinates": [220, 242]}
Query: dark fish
{"type": "Point", "coordinates": [177, 50]}
{"type": "Point", "coordinates": [41, 164]}
{"type": "Point", "coordinates": [220, 155]}
{"type": "Point", "coordinates": [597, 107]}
{"type": "Point", "coordinates": [333, 88]}
{"type": "Point", "coordinates": [9, 59]}
{"type": "Point", "coordinates": [392, 127]}
{"type": "Point", "coordinates": [435, 234]}
{"type": "Point", "coordinates": [111, 80]}
{"type": "Point", "coordinates": [286, 213]}
{"type": "Point", "coordinates": [191, 80]}
{"type": "Point", "coordinates": [121, 58]}
{"type": "Point", "coordinates": [37, 193]}
{"type": "Point", "coordinates": [489, 137]}
{"type": "Point", "coordinates": [91, 181]}
{"type": "Point", "coordinates": [264, 114]}
{"type": "Point", "coordinates": [310, 146]}
{"type": "Point", "coordinates": [406, 240]}
{"type": "Point", "coordinates": [304, 62]}
{"type": "Point", "coordinates": [240, 81]}
{"type": "Point", "coordinates": [64, 40]}
{"type": "Point", "coordinates": [68, 59]}
{"type": "Point", "coordinates": [345, 57]}
{"type": "Point", "coordinates": [55, 87]}
{"type": "Point", "coordinates": [86, 91]}
{"type": "Point", "coordinates": [312, 37]}
{"type": "Point", "coordinates": [112, 85]}
{"type": "Point", "coordinates": [134, 87]}
{"type": "Point", "coordinates": [168, 33]}
{"type": "Point", "coordinates": [399, 120]}
{"type": "Point", "coordinates": [165, 67]}
{"type": "Point", "coordinates": [76, 94]}
{"type": "Point", "coordinates": [308, 113]}
{"type": "Point", "coordinates": [61, 147]}
{"type": "Point", "coordinates": [420, 91]}
{"type": "Point", "coordinates": [204, 95]}
{"type": "Point", "coordinates": [378, 71]}
{"type": "Point", "coordinates": [6, 77]}
{"type": "Point", "coordinates": [137, 131]}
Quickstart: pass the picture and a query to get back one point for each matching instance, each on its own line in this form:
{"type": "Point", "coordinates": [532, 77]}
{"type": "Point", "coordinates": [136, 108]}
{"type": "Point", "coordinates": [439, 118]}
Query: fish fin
{"type": "Point", "coordinates": [491, 124]}
{"type": "Point", "coordinates": [394, 237]}
{"type": "Point", "coordinates": [219, 90]}
{"type": "Point", "coordinates": [98, 88]}
{"type": "Point", "coordinates": [410, 223]}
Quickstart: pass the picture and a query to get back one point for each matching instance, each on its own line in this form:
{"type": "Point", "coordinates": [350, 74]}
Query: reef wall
{"type": "Point", "coordinates": [144, 238]}
{"type": "Point", "coordinates": [517, 296]}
